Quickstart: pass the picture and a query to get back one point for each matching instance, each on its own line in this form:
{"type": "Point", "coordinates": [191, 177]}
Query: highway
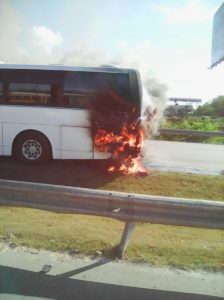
{"type": "Point", "coordinates": [184, 157]}
{"type": "Point", "coordinates": [162, 155]}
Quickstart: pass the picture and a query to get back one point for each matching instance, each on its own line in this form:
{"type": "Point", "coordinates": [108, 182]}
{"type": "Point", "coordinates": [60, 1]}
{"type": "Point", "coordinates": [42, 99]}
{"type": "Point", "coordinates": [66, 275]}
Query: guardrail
{"type": "Point", "coordinates": [191, 132]}
{"type": "Point", "coordinates": [130, 208]}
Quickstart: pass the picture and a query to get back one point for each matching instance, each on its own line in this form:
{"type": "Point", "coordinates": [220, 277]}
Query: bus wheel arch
{"type": "Point", "coordinates": [32, 147]}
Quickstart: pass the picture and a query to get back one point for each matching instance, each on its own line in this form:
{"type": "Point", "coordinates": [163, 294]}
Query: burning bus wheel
{"type": "Point", "coordinates": [32, 147]}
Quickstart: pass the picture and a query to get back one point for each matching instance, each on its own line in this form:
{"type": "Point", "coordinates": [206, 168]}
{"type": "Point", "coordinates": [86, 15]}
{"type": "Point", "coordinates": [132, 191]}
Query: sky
{"type": "Point", "coordinates": [169, 40]}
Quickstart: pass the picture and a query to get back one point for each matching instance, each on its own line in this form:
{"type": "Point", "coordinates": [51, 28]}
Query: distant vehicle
{"type": "Point", "coordinates": [52, 111]}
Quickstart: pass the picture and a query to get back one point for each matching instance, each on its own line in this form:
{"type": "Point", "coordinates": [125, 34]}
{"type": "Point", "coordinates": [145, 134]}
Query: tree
{"type": "Point", "coordinates": [214, 109]}
{"type": "Point", "coordinates": [218, 106]}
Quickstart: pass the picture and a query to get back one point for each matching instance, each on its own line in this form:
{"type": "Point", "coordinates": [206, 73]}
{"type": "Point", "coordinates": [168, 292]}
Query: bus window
{"type": "Point", "coordinates": [82, 88]}
{"type": "Point", "coordinates": [78, 101]}
{"type": "Point", "coordinates": [119, 84]}
{"type": "Point", "coordinates": [1, 92]}
{"type": "Point", "coordinates": [79, 89]}
{"type": "Point", "coordinates": [82, 83]}
{"type": "Point", "coordinates": [29, 93]}
{"type": "Point", "coordinates": [92, 83]}
{"type": "Point", "coordinates": [56, 95]}
{"type": "Point", "coordinates": [43, 93]}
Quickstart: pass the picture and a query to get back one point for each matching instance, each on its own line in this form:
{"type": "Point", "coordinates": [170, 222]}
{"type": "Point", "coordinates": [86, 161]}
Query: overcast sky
{"type": "Point", "coordinates": [166, 39]}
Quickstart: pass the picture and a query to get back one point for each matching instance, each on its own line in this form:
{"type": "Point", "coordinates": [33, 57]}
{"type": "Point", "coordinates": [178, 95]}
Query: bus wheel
{"type": "Point", "coordinates": [32, 147]}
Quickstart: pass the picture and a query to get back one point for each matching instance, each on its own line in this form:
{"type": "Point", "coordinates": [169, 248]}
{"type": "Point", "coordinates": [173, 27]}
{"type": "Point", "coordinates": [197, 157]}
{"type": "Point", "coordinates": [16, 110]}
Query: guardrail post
{"type": "Point", "coordinates": [128, 229]}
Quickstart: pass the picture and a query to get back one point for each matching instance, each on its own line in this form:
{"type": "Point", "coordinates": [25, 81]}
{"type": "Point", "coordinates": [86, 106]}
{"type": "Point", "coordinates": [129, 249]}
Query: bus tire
{"type": "Point", "coordinates": [32, 147]}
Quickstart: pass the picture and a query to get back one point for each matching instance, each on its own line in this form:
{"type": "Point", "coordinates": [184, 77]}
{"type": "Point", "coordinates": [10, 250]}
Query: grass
{"type": "Point", "coordinates": [181, 247]}
{"type": "Point", "coordinates": [159, 245]}
{"type": "Point", "coordinates": [172, 185]}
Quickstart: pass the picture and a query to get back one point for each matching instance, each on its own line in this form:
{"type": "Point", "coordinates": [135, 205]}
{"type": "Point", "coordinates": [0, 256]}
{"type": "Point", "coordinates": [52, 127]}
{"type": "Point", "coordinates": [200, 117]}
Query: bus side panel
{"type": "Point", "coordinates": [68, 130]}
{"type": "Point", "coordinates": [56, 123]}
{"type": "Point", "coordinates": [45, 115]}
{"type": "Point", "coordinates": [76, 142]}
{"type": "Point", "coordinates": [11, 130]}
{"type": "Point", "coordinates": [1, 143]}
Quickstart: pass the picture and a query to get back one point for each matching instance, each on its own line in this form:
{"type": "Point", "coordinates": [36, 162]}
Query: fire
{"type": "Point", "coordinates": [125, 146]}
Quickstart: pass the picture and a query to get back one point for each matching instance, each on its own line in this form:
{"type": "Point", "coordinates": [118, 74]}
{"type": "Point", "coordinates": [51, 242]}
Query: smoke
{"type": "Point", "coordinates": [10, 30]}
{"type": "Point", "coordinates": [154, 93]}
{"type": "Point", "coordinates": [154, 103]}
{"type": "Point", "coordinates": [84, 55]}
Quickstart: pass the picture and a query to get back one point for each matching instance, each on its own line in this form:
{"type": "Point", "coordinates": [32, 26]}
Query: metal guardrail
{"type": "Point", "coordinates": [126, 207]}
{"type": "Point", "coordinates": [191, 132]}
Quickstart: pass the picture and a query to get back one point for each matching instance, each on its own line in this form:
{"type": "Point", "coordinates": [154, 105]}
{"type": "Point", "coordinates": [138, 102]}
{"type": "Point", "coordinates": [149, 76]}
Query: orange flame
{"type": "Point", "coordinates": [125, 147]}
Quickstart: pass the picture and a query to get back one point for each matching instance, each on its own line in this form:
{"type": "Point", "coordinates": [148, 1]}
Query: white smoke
{"type": "Point", "coordinates": [154, 103]}
{"type": "Point", "coordinates": [10, 30]}
{"type": "Point", "coordinates": [44, 39]}
{"type": "Point", "coordinates": [83, 55]}
{"type": "Point", "coordinates": [154, 92]}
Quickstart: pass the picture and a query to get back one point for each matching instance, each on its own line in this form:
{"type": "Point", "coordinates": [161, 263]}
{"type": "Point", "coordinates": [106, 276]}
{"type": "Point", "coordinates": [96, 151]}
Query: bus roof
{"type": "Point", "coordinates": [107, 69]}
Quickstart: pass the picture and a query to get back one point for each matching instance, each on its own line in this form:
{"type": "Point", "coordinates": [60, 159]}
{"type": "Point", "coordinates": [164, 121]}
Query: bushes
{"type": "Point", "coordinates": [207, 117]}
{"type": "Point", "coordinates": [193, 123]}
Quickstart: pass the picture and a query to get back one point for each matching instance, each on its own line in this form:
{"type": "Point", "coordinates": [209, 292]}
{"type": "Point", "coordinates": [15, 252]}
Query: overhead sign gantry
{"type": "Point", "coordinates": [218, 37]}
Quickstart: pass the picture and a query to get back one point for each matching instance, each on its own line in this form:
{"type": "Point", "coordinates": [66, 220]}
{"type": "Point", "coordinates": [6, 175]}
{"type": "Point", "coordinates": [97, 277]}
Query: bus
{"type": "Point", "coordinates": [54, 111]}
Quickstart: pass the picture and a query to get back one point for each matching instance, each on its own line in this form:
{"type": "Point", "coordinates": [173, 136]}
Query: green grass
{"type": "Point", "coordinates": [159, 245]}
{"type": "Point", "coordinates": [172, 185]}
{"type": "Point", "coordinates": [155, 244]}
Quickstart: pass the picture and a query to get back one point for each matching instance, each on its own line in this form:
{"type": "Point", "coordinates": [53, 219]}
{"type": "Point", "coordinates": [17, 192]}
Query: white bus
{"type": "Point", "coordinates": [51, 111]}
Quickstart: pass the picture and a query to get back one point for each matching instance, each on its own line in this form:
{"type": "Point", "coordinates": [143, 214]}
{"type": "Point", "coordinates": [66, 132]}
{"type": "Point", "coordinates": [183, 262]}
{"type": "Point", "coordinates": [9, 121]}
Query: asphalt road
{"type": "Point", "coordinates": [33, 274]}
{"type": "Point", "coordinates": [162, 155]}
{"type": "Point", "coordinates": [184, 157]}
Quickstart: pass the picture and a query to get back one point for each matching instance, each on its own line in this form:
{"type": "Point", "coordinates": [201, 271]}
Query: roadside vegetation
{"type": "Point", "coordinates": [181, 247]}
{"type": "Point", "coordinates": [208, 117]}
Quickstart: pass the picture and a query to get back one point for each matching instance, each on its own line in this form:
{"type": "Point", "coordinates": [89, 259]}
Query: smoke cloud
{"type": "Point", "coordinates": [154, 103]}
{"type": "Point", "coordinates": [83, 55]}
{"type": "Point", "coordinates": [45, 39]}
{"type": "Point", "coordinates": [10, 30]}
{"type": "Point", "coordinates": [154, 92]}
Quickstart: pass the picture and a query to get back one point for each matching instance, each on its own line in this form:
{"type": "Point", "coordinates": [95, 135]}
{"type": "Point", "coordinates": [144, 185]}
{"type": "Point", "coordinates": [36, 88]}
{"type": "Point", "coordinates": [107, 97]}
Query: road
{"type": "Point", "coordinates": [33, 274]}
{"type": "Point", "coordinates": [162, 155]}
{"type": "Point", "coordinates": [184, 157]}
